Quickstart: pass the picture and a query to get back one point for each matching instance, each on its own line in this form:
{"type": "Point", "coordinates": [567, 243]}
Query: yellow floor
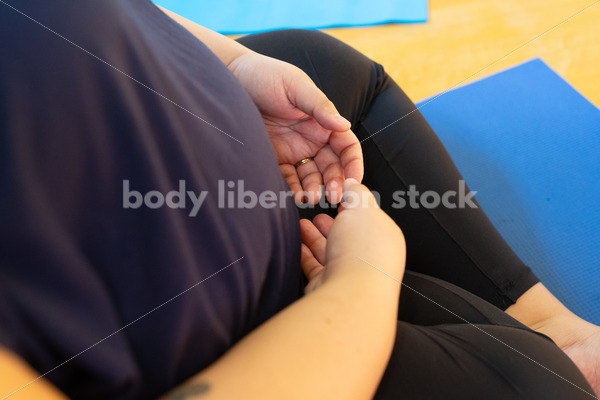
{"type": "Point", "coordinates": [463, 37]}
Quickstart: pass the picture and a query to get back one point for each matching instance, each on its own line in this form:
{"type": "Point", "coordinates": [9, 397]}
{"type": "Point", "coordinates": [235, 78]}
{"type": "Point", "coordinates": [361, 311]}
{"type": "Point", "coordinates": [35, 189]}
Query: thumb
{"type": "Point", "coordinates": [310, 99]}
{"type": "Point", "coordinates": [357, 196]}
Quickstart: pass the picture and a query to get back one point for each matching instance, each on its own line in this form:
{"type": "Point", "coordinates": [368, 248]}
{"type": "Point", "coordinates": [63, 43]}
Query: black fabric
{"type": "Point", "coordinates": [452, 342]}
{"type": "Point", "coordinates": [75, 265]}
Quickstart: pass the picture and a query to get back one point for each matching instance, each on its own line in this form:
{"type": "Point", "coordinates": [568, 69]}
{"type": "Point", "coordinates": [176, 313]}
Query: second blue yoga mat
{"type": "Point", "coordinates": [530, 145]}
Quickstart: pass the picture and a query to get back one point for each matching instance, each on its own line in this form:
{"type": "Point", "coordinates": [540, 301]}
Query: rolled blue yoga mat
{"type": "Point", "coordinates": [529, 144]}
{"type": "Point", "coordinates": [242, 16]}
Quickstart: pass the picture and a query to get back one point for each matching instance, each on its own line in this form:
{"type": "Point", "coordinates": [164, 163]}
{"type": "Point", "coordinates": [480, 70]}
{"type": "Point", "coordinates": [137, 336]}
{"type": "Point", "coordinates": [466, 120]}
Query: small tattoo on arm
{"type": "Point", "coordinates": [189, 392]}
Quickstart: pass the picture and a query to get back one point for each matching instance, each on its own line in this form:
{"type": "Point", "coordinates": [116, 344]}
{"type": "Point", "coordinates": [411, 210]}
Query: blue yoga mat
{"type": "Point", "coordinates": [530, 145]}
{"type": "Point", "coordinates": [240, 16]}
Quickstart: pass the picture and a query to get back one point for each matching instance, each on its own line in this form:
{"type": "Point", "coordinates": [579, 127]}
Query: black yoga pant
{"type": "Point", "coordinates": [453, 337]}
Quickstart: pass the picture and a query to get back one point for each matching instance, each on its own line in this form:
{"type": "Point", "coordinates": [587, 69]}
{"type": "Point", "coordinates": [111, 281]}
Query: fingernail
{"type": "Point", "coordinates": [339, 117]}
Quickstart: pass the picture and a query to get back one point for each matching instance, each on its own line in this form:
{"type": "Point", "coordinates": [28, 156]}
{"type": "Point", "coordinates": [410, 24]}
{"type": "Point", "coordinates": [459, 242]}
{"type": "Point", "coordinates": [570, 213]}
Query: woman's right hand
{"type": "Point", "coordinates": [360, 232]}
{"type": "Point", "coordinates": [336, 341]}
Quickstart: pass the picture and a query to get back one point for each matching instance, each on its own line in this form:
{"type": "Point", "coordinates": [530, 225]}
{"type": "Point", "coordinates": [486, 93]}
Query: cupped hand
{"type": "Point", "coordinates": [302, 123]}
{"type": "Point", "coordinates": [361, 234]}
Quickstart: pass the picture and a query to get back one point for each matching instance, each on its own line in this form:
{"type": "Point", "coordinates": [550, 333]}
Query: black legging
{"type": "Point", "coordinates": [437, 354]}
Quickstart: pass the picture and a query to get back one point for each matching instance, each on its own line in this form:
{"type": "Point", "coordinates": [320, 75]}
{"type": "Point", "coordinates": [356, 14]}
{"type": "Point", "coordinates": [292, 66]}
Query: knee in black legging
{"type": "Point", "coordinates": [462, 361]}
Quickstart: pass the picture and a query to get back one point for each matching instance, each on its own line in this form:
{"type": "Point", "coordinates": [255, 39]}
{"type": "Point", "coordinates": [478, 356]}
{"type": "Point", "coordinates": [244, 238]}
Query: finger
{"type": "Point", "coordinates": [323, 222]}
{"type": "Point", "coordinates": [333, 177]}
{"type": "Point", "coordinates": [357, 196]}
{"type": "Point", "coordinates": [305, 95]}
{"type": "Point", "coordinates": [347, 147]}
{"type": "Point", "coordinates": [333, 174]}
{"type": "Point", "coordinates": [314, 239]}
{"type": "Point", "coordinates": [311, 179]}
{"type": "Point", "coordinates": [310, 266]}
{"type": "Point", "coordinates": [292, 179]}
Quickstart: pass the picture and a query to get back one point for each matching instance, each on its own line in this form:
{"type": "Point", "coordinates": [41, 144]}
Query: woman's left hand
{"type": "Point", "coordinates": [302, 123]}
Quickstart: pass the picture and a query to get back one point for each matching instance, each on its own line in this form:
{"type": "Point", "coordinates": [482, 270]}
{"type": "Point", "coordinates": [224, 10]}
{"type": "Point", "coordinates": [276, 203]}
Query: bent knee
{"type": "Point", "coordinates": [478, 361]}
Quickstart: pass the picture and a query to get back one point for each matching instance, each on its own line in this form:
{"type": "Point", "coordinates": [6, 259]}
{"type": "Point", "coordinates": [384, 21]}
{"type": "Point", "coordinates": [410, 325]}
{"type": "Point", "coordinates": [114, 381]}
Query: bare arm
{"type": "Point", "coordinates": [225, 48]}
{"type": "Point", "coordinates": [335, 342]}
{"type": "Point", "coordinates": [330, 344]}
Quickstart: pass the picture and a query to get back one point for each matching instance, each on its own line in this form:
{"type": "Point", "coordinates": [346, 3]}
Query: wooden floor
{"type": "Point", "coordinates": [474, 38]}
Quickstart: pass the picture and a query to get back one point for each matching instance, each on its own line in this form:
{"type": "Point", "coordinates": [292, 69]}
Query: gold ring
{"type": "Point", "coordinates": [303, 161]}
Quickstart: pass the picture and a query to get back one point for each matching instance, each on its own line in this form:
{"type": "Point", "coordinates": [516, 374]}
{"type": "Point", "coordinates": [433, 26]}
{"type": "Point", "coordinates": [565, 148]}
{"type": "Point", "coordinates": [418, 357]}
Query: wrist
{"type": "Point", "coordinates": [361, 288]}
{"type": "Point", "coordinates": [238, 58]}
{"type": "Point", "coordinates": [235, 64]}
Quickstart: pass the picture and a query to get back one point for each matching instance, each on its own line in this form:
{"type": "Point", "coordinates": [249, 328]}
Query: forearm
{"type": "Point", "coordinates": [225, 48]}
{"type": "Point", "coordinates": [333, 343]}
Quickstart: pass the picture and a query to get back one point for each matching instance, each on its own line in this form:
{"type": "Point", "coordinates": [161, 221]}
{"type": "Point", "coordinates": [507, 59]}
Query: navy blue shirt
{"type": "Point", "coordinates": [133, 103]}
